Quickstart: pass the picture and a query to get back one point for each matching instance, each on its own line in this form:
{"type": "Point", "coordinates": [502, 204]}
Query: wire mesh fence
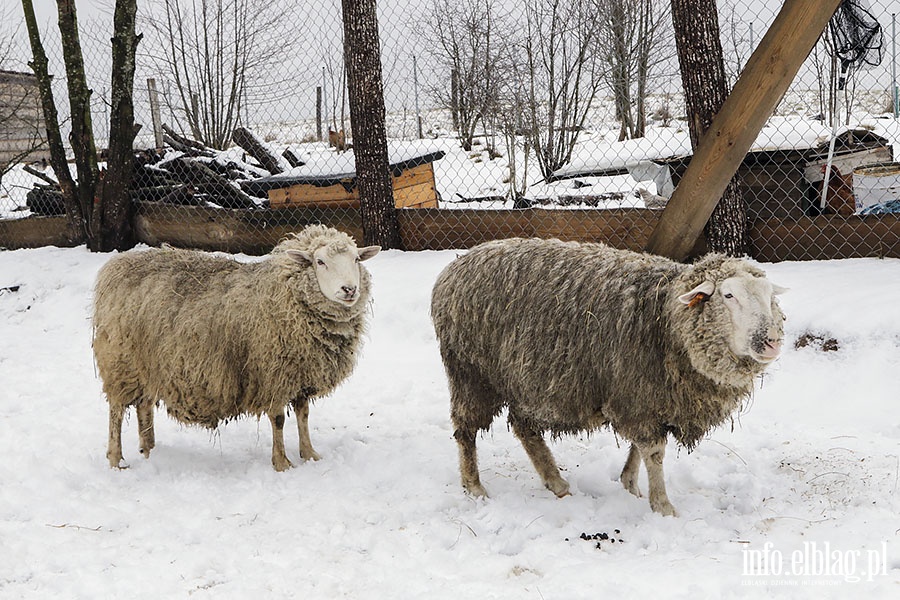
{"type": "Point", "coordinates": [562, 119]}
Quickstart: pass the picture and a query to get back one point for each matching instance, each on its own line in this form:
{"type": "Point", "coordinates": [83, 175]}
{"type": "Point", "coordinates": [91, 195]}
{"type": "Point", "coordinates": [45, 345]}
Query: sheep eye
{"type": "Point", "coordinates": [320, 262]}
{"type": "Point", "coordinates": [728, 295]}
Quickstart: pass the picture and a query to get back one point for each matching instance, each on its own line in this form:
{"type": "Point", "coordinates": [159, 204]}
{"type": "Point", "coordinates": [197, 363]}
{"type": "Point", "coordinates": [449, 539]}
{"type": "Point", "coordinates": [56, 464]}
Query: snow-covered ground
{"type": "Point", "coordinates": [798, 499]}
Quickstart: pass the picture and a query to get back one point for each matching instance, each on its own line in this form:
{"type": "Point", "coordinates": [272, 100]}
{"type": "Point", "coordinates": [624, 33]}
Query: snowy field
{"type": "Point", "coordinates": [799, 499]}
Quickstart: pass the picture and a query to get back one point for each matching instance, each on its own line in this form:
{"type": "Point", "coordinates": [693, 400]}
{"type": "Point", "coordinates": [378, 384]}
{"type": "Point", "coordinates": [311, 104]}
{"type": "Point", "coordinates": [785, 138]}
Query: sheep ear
{"type": "Point", "coordinates": [778, 290]}
{"type": "Point", "coordinates": [302, 257]}
{"type": "Point", "coordinates": [698, 294]}
{"type": "Point", "coordinates": [368, 252]}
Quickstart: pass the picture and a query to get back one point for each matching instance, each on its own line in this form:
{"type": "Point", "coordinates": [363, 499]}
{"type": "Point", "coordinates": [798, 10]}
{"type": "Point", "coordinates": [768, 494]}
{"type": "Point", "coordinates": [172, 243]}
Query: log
{"type": "Point", "coordinates": [188, 150]}
{"type": "Point", "coordinates": [183, 144]}
{"type": "Point", "coordinates": [45, 202]}
{"type": "Point", "coordinates": [179, 193]}
{"type": "Point", "coordinates": [292, 158]}
{"type": "Point", "coordinates": [245, 139]}
{"type": "Point", "coordinates": [182, 195]}
{"type": "Point", "coordinates": [32, 171]}
{"type": "Point", "coordinates": [205, 179]}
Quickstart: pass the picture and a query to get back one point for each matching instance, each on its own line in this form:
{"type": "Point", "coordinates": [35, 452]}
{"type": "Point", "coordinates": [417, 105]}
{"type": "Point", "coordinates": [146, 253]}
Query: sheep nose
{"type": "Point", "coordinates": [773, 347]}
{"type": "Point", "coordinates": [349, 290]}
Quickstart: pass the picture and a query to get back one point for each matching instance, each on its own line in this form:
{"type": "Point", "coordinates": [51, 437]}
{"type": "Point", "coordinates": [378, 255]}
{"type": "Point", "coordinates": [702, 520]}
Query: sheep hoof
{"type": "Point", "coordinates": [476, 489]}
{"type": "Point", "coordinates": [632, 487]}
{"type": "Point", "coordinates": [559, 487]}
{"type": "Point", "coordinates": [313, 455]}
{"type": "Point", "coordinates": [119, 464]}
{"type": "Point", "coordinates": [664, 508]}
{"type": "Point", "coordinates": [281, 465]}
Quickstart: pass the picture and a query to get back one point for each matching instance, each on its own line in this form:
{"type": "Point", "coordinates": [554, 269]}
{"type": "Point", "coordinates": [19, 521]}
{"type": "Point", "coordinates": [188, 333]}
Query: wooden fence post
{"type": "Point", "coordinates": [154, 113]}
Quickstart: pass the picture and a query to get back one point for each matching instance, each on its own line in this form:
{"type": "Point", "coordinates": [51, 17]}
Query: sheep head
{"type": "Point", "coordinates": [734, 322]}
{"type": "Point", "coordinates": [336, 266]}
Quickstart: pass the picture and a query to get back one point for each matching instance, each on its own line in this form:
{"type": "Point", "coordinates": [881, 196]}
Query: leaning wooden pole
{"type": "Point", "coordinates": [757, 92]}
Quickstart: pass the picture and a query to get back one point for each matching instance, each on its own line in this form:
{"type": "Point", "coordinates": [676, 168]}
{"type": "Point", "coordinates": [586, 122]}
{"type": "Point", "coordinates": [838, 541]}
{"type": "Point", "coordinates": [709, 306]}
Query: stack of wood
{"type": "Point", "coordinates": [185, 172]}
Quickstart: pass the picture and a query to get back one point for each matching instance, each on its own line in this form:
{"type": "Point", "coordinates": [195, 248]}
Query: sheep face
{"type": "Point", "coordinates": [756, 320]}
{"type": "Point", "coordinates": [337, 269]}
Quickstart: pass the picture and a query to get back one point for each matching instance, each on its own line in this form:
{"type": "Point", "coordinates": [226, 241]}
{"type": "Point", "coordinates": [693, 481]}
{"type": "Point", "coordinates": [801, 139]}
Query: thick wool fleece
{"type": "Point", "coordinates": [215, 339]}
{"type": "Point", "coordinates": [571, 337]}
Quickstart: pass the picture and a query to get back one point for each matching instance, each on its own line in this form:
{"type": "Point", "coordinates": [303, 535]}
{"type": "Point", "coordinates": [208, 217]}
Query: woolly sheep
{"type": "Point", "coordinates": [215, 339]}
{"type": "Point", "coordinates": [572, 337]}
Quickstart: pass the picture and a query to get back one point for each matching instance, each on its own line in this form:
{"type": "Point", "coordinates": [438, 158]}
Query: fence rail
{"type": "Point", "coordinates": [823, 237]}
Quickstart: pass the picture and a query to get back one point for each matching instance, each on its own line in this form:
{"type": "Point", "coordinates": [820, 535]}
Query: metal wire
{"type": "Point", "coordinates": [488, 185]}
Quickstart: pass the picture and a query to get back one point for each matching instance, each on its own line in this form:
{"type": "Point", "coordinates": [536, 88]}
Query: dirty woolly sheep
{"type": "Point", "coordinates": [573, 337]}
{"type": "Point", "coordinates": [214, 339]}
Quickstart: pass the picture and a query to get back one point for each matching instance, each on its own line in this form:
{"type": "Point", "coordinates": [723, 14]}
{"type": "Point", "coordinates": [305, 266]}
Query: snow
{"type": "Point", "coordinates": [596, 153]}
{"type": "Point", "coordinates": [809, 469]}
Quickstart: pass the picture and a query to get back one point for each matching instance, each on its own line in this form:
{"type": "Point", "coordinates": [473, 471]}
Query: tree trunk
{"type": "Point", "coordinates": [82, 137]}
{"type": "Point", "coordinates": [76, 230]}
{"type": "Point", "coordinates": [115, 188]}
{"type": "Point", "coordinates": [373, 175]}
{"type": "Point", "coordinates": [699, 47]}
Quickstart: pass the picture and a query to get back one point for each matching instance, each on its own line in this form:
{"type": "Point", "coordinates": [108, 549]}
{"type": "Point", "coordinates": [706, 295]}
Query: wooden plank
{"type": "Point", "coordinates": [249, 231]}
{"type": "Point", "coordinates": [413, 187]}
{"type": "Point", "coordinates": [418, 175]}
{"type": "Point", "coordinates": [306, 193]}
{"type": "Point", "coordinates": [626, 228]}
{"type": "Point", "coordinates": [417, 196]}
{"type": "Point", "coordinates": [33, 232]}
{"type": "Point", "coordinates": [761, 85]}
{"type": "Point", "coordinates": [825, 237]}
{"type": "Point", "coordinates": [446, 229]}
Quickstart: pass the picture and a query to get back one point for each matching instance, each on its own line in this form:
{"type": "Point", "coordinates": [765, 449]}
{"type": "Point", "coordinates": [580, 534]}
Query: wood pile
{"type": "Point", "coordinates": [185, 172]}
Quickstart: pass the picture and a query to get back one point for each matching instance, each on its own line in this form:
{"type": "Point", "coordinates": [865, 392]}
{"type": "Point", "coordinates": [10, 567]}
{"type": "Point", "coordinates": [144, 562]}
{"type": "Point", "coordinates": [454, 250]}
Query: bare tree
{"type": "Point", "coordinates": [635, 34]}
{"type": "Point", "coordinates": [705, 85]}
{"type": "Point", "coordinates": [736, 41]}
{"type": "Point", "coordinates": [562, 77]}
{"type": "Point", "coordinates": [335, 73]}
{"type": "Point", "coordinates": [217, 54]}
{"type": "Point", "coordinates": [362, 55]}
{"type": "Point", "coordinates": [115, 213]}
{"type": "Point", "coordinates": [468, 39]}
{"type": "Point", "coordinates": [96, 215]}
{"type": "Point", "coordinates": [77, 226]}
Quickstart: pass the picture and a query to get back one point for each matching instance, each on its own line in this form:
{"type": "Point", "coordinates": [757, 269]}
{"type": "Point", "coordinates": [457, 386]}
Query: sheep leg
{"type": "Point", "coordinates": [653, 455]}
{"type": "Point", "coordinates": [541, 458]}
{"type": "Point", "coordinates": [301, 410]}
{"type": "Point", "coordinates": [279, 458]}
{"type": "Point", "coordinates": [145, 427]}
{"type": "Point", "coordinates": [468, 463]}
{"type": "Point", "coordinates": [630, 471]}
{"type": "Point", "coordinates": [473, 406]}
{"type": "Point", "coordinates": [114, 446]}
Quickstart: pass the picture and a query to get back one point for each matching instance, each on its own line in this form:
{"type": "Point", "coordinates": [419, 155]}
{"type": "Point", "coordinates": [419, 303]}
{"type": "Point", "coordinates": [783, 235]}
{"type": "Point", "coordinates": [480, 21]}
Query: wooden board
{"type": "Point", "coordinates": [413, 188]}
{"type": "Point", "coordinates": [825, 237]}
{"type": "Point", "coordinates": [249, 231]}
{"type": "Point", "coordinates": [257, 231]}
{"type": "Point", "coordinates": [33, 232]}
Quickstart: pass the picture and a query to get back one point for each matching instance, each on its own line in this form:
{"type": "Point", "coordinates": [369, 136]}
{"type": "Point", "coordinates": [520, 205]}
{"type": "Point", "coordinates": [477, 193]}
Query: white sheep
{"type": "Point", "coordinates": [215, 339]}
{"type": "Point", "coordinates": [573, 337]}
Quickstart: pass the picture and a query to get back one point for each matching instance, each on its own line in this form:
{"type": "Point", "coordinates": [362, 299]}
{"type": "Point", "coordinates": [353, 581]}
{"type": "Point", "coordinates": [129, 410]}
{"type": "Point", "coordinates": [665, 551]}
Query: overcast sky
{"type": "Point", "coordinates": [314, 29]}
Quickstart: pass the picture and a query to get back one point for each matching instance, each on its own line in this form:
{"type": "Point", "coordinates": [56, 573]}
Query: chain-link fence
{"type": "Point", "coordinates": [561, 119]}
